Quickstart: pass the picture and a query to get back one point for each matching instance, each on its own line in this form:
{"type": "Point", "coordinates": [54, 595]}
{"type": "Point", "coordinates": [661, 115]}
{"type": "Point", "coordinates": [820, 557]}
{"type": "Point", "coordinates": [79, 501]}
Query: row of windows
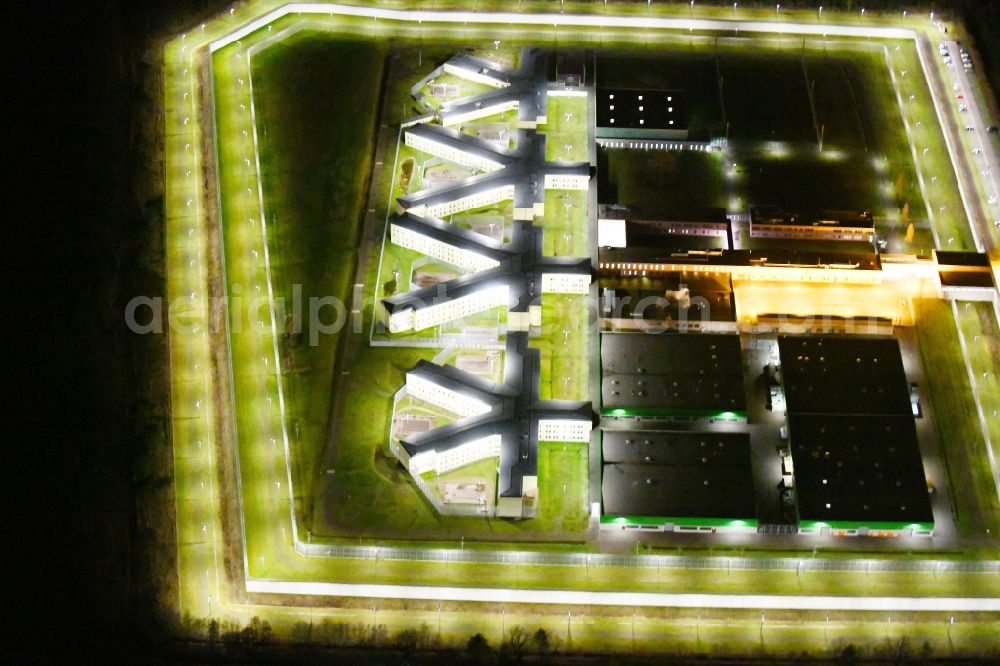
{"type": "Point", "coordinates": [768, 273]}
{"type": "Point", "coordinates": [444, 398]}
{"type": "Point", "coordinates": [460, 307]}
{"type": "Point", "coordinates": [551, 430]}
{"type": "Point", "coordinates": [478, 200]}
{"type": "Point", "coordinates": [469, 261]}
{"type": "Point", "coordinates": [482, 112]}
{"type": "Point", "coordinates": [565, 283]}
{"type": "Point", "coordinates": [788, 231]}
{"type": "Point", "coordinates": [451, 153]}
{"type": "Point", "coordinates": [427, 461]}
{"type": "Point", "coordinates": [567, 181]}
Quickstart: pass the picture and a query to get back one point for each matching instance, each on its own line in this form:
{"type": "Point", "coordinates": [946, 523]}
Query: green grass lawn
{"type": "Point", "coordinates": [564, 347]}
{"type": "Point", "coordinates": [566, 129]}
{"type": "Point", "coordinates": [839, 107]}
{"type": "Point", "coordinates": [955, 417]}
{"type": "Point", "coordinates": [765, 98]}
{"type": "Point", "coordinates": [660, 180]}
{"type": "Point", "coordinates": [982, 339]}
{"type": "Point", "coordinates": [316, 103]}
{"type": "Point", "coordinates": [939, 175]}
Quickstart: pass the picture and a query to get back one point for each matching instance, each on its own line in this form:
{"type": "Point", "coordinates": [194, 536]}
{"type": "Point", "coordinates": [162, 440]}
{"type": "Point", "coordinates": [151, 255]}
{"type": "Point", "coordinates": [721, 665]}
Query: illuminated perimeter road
{"type": "Point", "coordinates": [655, 599]}
{"type": "Point", "coordinates": [198, 508]}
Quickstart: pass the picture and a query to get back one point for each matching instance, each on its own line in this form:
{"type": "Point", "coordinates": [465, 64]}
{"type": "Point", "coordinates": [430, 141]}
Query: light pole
{"type": "Point", "coordinates": [692, 8]}
{"type": "Point", "coordinates": [734, 9]}
{"type": "Point", "coordinates": [821, 11]}
{"type": "Point", "coordinates": [777, 9]}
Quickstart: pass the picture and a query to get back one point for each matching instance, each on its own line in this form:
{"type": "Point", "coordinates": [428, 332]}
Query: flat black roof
{"type": "Point", "coordinates": [677, 491]}
{"type": "Point", "coordinates": [962, 259]}
{"type": "Point", "coordinates": [826, 374]}
{"type": "Point", "coordinates": [662, 447]}
{"type": "Point", "coordinates": [859, 469]}
{"type": "Point", "coordinates": [638, 108]}
{"type": "Point", "coordinates": [966, 278]}
{"type": "Point", "coordinates": [668, 372]}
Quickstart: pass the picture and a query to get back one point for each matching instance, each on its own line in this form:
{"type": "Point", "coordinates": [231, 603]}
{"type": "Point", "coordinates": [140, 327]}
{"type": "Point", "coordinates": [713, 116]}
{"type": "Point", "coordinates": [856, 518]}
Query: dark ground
{"type": "Point", "coordinates": [89, 565]}
{"type": "Point", "coordinates": [83, 236]}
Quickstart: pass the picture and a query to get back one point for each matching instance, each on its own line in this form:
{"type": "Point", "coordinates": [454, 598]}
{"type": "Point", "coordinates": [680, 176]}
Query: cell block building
{"type": "Point", "coordinates": [524, 90]}
{"type": "Point", "coordinates": [512, 275]}
{"type": "Point", "coordinates": [505, 420]}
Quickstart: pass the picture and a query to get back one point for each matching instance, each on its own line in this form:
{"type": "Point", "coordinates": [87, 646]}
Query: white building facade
{"type": "Point", "coordinates": [467, 260]}
{"type": "Point", "coordinates": [564, 430]}
{"type": "Point", "coordinates": [445, 398]}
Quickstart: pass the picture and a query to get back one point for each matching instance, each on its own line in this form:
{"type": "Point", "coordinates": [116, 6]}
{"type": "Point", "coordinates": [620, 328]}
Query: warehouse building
{"type": "Point", "coordinates": [677, 481]}
{"type": "Point", "coordinates": [856, 465]}
{"type": "Point", "coordinates": [671, 376]}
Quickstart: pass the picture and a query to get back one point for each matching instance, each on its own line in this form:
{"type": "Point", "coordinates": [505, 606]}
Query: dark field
{"type": "Point", "coordinates": [317, 103]}
{"type": "Point", "coordinates": [774, 133]}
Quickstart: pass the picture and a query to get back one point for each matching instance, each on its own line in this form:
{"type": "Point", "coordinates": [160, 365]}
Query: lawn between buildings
{"type": "Point", "coordinates": [277, 540]}
{"type": "Point", "coordinates": [978, 321]}
{"type": "Point", "coordinates": [955, 417]}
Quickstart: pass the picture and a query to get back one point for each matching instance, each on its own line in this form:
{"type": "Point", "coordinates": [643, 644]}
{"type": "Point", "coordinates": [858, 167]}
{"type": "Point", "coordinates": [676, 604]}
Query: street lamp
{"type": "Point", "coordinates": [777, 9]}
{"type": "Point", "coordinates": [821, 11]}
{"type": "Point", "coordinates": [692, 8]}
{"type": "Point", "coordinates": [734, 9]}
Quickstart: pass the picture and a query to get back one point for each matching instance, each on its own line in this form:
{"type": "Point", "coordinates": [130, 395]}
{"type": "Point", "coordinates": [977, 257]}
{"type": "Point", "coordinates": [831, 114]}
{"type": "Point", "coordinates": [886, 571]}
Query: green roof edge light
{"type": "Point", "coordinates": [683, 521]}
{"type": "Point", "coordinates": [870, 524]}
